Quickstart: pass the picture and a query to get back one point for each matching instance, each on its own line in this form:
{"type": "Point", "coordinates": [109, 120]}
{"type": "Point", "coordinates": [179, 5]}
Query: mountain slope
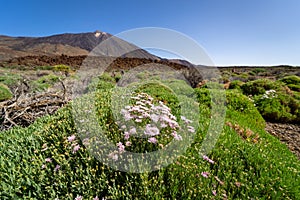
{"type": "Point", "coordinates": [68, 44]}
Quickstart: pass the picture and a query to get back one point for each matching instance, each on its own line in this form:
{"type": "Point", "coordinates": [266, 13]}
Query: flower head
{"type": "Point", "coordinates": [71, 138]}
{"type": "Point", "coordinates": [48, 160]}
{"type": "Point", "coordinates": [126, 135]}
{"type": "Point", "coordinates": [205, 174]}
{"type": "Point", "coordinates": [208, 159]}
{"type": "Point", "coordinates": [214, 192]}
{"type": "Point", "coordinates": [152, 140]}
{"type": "Point", "coordinates": [151, 130]}
{"type": "Point", "coordinates": [176, 136]}
{"type": "Point", "coordinates": [78, 197]}
{"type": "Point", "coordinates": [121, 147]}
{"type": "Point", "coordinates": [154, 117]}
{"type": "Point", "coordinates": [128, 143]}
{"type": "Point", "coordinates": [191, 129]}
{"type": "Point", "coordinates": [57, 167]}
{"type": "Point", "coordinates": [132, 130]}
{"type": "Point", "coordinates": [76, 148]}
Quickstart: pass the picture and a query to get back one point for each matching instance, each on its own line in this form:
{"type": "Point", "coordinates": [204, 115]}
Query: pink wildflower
{"type": "Point", "coordinates": [48, 160]}
{"type": "Point", "coordinates": [128, 143]}
{"type": "Point", "coordinates": [132, 130]}
{"type": "Point", "coordinates": [214, 192]}
{"type": "Point", "coordinates": [96, 198]}
{"type": "Point", "coordinates": [151, 130]}
{"type": "Point", "coordinates": [138, 120]}
{"type": "Point", "coordinates": [78, 198]}
{"type": "Point", "coordinates": [126, 135]}
{"type": "Point", "coordinates": [208, 159]}
{"type": "Point", "coordinates": [205, 174]}
{"type": "Point", "coordinates": [76, 148]}
{"type": "Point", "coordinates": [57, 167]}
{"type": "Point", "coordinates": [154, 117]}
{"type": "Point", "coordinates": [187, 121]}
{"type": "Point", "coordinates": [43, 166]}
{"type": "Point", "coordinates": [71, 138]}
{"type": "Point", "coordinates": [191, 129]}
{"type": "Point", "coordinates": [152, 140]}
{"type": "Point", "coordinates": [176, 136]}
{"type": "Point", "coordinates": [121, 147]}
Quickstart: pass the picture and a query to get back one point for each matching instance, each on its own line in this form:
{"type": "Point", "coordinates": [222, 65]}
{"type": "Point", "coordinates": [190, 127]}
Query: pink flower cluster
{"type": "Point", "coordinates": [208, 159]}
{"type": "Point", "coordinates": [151, 121]}
{"type": "Point", "coordinates": [75, 146]}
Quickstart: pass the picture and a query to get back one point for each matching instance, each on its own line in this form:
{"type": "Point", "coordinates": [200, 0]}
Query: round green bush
{"type": "Point", "coordinates": [293, 82]}
{"type": "Point", "coordinates": [293, 79]}
{"type": "Point", "coordinates": [236, 84]}
{"type": "Point", "coordinates": [259, 87]}
{"type": "Point", "coordinates": [279, 108]}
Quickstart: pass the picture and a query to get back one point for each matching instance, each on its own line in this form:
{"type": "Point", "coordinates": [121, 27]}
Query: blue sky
{"type": "Point", "coordinates": [233, 32]}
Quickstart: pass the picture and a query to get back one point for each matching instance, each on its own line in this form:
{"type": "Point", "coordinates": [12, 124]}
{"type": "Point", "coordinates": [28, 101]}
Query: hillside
{"type": "Point", "coordinates": [68, 44]}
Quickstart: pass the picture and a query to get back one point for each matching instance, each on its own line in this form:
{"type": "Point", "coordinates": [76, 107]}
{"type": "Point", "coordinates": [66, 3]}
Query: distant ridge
{"type": "Point", "coordinates": [71, 44]}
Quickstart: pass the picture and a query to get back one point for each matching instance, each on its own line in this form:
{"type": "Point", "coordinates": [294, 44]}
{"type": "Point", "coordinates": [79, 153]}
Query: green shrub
{"type": "Point", "coordinates": [294, 87]}
{"type": "Point", "coordinates": [62, 68]}
{"type": "Point", "coordinates": [293, 82]}
{"type": "Point", "coordinates": [5, 92]}
{"type": "Point", "coordinates": [279, 108]}
{"type": "Point", "coordinates": [236, 84]}
{"type": "Point", "coordinates": [293, 79]}
{"type": "Point", "coordinates": [259, 87]}
{"type": "Point", "coordinates": [259, 70]}
{"type": "Point", "coordinates": [44, 82]}
{"type": "Point", "coordinates": [10, 79]}
{"type": "Point", "coordinates": [238, 102]}
{"type": "Point", "coordinates": [203, 96]}
{"type": "Point", "coordinates": [252, 73]}
{"type": "Point", "coordinates": [212, 85]}
{"type": "Point", "coordinates": [103, 82]}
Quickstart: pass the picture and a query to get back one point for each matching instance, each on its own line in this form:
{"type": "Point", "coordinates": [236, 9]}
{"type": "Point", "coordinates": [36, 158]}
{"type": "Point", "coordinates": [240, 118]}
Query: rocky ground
{"type": "Point", "coordinates": [288, 134]}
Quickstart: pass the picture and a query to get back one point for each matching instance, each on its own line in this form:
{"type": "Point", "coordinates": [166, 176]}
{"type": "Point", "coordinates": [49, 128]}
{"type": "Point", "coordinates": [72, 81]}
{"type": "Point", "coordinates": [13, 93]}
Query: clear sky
{"type": "Point", "coordinates": [233, 32]}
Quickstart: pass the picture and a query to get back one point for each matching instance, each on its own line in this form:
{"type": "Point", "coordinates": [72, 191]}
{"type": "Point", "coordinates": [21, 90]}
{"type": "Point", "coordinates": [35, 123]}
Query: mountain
{"type": "Point", "coordinates": [69, 44]}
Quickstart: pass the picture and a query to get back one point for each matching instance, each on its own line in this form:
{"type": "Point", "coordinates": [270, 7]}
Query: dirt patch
{"type": "Point", "coordinates": [288, 134]}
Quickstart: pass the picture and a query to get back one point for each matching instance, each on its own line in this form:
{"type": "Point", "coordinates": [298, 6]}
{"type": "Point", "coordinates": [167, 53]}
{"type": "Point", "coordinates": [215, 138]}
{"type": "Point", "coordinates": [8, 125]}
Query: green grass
{"type": "Point", "coordinates": [242, 169]}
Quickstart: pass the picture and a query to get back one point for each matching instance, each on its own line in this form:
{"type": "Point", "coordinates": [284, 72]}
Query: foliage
{"type": "Point", "coordinates": [278, 107]}
{"type": "Point", "coordinates": [10, 79]}
{"type": "Point", "coordinates": [5, 92]}
{"type": "Point", "coordinates": [62, 68]}
{"type": "Point", "coordinates": [259, 70]}
{"type": "Point", "coordinates": [236, 84]}
{"type": "Point", "coordinates": [50, 159]}
{"type": "Point", "coordinates": [259, 87]}
{"type": "Point", "coordinates": [293, 82]}
{"type": "Point", "coordinates": [45, 82]}
{"type": "Point", "coordinates": [103, 82]}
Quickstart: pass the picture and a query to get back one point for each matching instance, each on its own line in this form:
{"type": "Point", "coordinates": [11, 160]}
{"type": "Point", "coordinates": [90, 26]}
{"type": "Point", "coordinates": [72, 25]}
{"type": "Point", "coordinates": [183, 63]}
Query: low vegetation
{"type": "Point", "coordinates": [5, 92]}
{"type": "Point", "coordinates": [50, 159]}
